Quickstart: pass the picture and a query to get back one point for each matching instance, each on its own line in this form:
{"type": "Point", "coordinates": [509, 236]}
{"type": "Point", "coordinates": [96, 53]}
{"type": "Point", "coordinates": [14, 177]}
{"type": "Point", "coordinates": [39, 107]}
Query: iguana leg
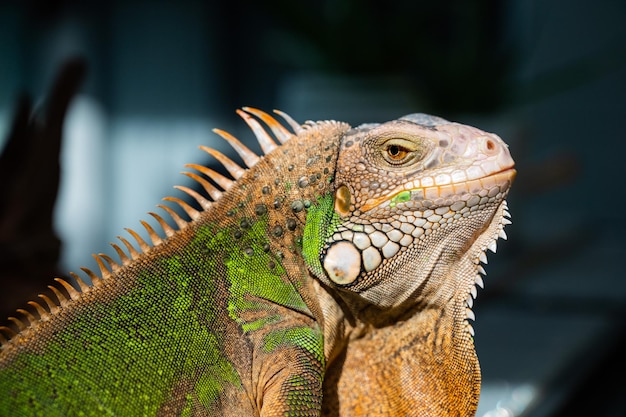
{"type": "Point", "coordinates": [285, 359]}
{"type": "Point", "coordinates": [295, 390]}
{"type": "Point", "coordinates": [289, 364]}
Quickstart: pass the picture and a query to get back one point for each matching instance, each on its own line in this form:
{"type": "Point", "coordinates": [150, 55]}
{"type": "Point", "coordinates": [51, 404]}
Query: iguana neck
{"type": "Point", "coordinates": [430, 349]}
{"type": "Point", "coordinates": [430, 342]}
{"type": "Point", "coordinates": [279, 192]}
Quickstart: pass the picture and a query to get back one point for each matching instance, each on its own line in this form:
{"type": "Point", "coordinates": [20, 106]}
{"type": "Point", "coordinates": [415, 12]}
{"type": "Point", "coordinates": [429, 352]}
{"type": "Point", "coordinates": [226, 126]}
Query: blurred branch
{"type": "Point", "coordinates": [29, 182]}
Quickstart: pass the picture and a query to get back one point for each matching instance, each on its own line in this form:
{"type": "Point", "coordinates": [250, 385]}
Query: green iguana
{"type": "Point", "coordinates": [334, 275]}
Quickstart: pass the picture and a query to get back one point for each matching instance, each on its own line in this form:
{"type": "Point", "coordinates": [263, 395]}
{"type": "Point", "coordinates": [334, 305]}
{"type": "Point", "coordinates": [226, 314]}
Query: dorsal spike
{"type": "Point", "coordinates": [281, 133]}
{"type": "Point", "coordinates": [19, 323]}
{"type": "Point", "coordinates": [204, 203]}
{"type": "Point", "coordinates": [169, 231]}
{"type": "Point", "coordinates": [249, 157]}
{"type": "Point", "coordinates": [154, 237]}
{"type": "Point", "coordinates": [142, 243]}
{"type": "Point", "coordinates": [95, 279]}
{"type": "Point", "coordinates": [297, 128]}
{"type": "Point", "coordinates": [62, 298]}
{"type": "Point", "coordinates": [3, 340]}
{"type": "Point", "coordinates": [31, 318]}
{"type": "Point", "coordinates": [265, 140]}
{"type": "Point", "coordinates": [113, 266]}
{"type": "Point", "coordinates": [9, 331]}
{"type": "Point", "coordinates": [124, 259]}
{"type": "Point", "coordinates": [208, 187]}
{"type": "Point", "coordinates": [134, 253]}
{"type": "Point", "coordinates": [43, 313]}
{"type": "Point", "coordinates": [52, 306]}
{"type": "Point", "coordinates": [233, 169]}
{"type": "Point", "coordinates": [180, 222]}
{"type": "Point", "coordinates": [74, 295]}
{"type": "Point", "coordinates": [190, 211]}
{"type": "Point", "coordinates": [104, 271]}
{"type": "Point", "coordinates": [219, 179]}
{"type": "Point", "coordinates": [83, 286]}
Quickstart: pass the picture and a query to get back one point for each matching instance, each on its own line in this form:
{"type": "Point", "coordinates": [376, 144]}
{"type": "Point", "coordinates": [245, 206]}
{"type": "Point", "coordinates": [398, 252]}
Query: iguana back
{"type": "Point", "coordinates": [334, 275]}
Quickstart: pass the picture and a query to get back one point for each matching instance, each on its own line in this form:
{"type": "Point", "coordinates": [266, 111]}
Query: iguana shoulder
{"type": "Point", "coordinates": [333, 274]}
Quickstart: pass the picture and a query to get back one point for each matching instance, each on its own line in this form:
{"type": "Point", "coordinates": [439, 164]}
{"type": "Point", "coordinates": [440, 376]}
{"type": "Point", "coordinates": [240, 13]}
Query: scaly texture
{"type": "Point", "coordinates": [333, 275]}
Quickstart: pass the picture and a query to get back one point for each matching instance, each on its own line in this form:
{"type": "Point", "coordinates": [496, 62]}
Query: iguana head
{"type": "Point", "coordinates": [415, 199]}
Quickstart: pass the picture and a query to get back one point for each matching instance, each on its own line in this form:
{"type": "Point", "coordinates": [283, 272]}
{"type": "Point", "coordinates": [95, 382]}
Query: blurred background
{"type": "Point", "coordinates": [140, 85]}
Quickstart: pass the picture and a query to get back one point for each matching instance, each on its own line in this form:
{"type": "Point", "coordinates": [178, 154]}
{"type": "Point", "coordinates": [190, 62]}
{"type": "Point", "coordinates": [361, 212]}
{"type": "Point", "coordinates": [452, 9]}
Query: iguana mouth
{"type": "Point", "coordinates": [501, 179]}
{"type": "Point", "coordinates": [508, 173]}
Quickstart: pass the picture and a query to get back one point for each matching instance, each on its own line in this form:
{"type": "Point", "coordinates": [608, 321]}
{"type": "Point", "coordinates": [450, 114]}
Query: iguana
{"type": "Point", "coordinates": [333, 275]}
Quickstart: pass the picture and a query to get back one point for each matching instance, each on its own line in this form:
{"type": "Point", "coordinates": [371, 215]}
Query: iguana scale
{"type": "Point", "coordinates": [333, 275]}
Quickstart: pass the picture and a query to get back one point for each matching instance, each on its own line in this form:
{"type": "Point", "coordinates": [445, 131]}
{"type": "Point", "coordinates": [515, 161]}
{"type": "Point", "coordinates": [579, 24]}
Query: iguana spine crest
{"type": "Point", "coordinates": [108, 266]}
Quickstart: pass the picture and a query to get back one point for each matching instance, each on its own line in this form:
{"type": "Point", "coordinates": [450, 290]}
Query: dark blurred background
{"type": "Point", "coordinates": [154, 77]}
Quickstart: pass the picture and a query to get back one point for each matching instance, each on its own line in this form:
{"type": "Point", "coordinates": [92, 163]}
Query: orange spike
{"type": "Point", "coordinates": [297, 128]}
{"type": "Point", "coordinates": [43, 314]}
{"type": "Point", "coordinates": [8, 331]}
{"type": "Point", "coordinates": [134, 253]}
{"type": "Point", "coordinates": [62, 298]}
{"type": "Point", "coordinates": [123, 257]}
{"type": "Point", "coordinates": [52, 306]}
{"type": "Point", "coordinates": [74, 295]}
{"type": "Point", "coordinates": [20, 325]}
{"type": "Point", "coordinates": [3, 340]}
{"type": "Point", "coordinates": [191, 212]}
{"type": "Point", "coordinates": [169, 231]}
{"type": "Point", "coordinates": [142, 243]}
{"type": "Point", "coordinates": [204, 203]}
{"type": "Point", "coordinates": [95, 279]}
{"type": "Point", "coordinates": [249, 157]}
{"type": "Point", "coordinates": [83, 286]}
{"type": "Point", "coordinates": [235, 170]}
{"type": "Point", "coordinates": [265, 140]}
{"type": "Point", "coordinates": [154, 237]}
{"type": "Point", "coordinates": [114, 266]}
{"type": "Point", "coordinates": [218, 178]}
{"type": "Point", "coordinates": [208, 187]}
{"type": "Point", "coordinates": [180, 222]}
{"type": "Point", "coordinates": [31, 319]}
{"type": "Point", "coordinates": [104, 271]}
{"type": "Point", "coordinates": [282, 134]}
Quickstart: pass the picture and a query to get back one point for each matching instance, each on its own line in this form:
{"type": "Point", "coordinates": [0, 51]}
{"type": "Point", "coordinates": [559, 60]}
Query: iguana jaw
{"type": "Point", "coordinates": [404, 192]}
{"type": "Point", "coordinates": [419, 218]}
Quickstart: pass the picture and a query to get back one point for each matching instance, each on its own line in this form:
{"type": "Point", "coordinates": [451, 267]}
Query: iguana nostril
{"type": "Point", "coordinates": [490, 146]}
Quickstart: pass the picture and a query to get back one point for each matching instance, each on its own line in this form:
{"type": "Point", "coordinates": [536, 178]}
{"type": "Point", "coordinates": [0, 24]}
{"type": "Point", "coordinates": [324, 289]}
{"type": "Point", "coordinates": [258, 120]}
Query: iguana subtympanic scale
{"type": "Point", "coordinates": [333, 275]}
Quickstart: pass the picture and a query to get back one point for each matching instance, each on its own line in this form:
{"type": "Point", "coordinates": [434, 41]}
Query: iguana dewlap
{"type": "Point", "coordinates": [333, 275]}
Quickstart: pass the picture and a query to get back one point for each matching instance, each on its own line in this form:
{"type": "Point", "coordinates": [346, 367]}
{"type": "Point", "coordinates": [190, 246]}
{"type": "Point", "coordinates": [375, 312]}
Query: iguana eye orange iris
{"type": "Point", "coordinates": [400, 152]}
{"type": "Point", "coordinates": [397, 153]}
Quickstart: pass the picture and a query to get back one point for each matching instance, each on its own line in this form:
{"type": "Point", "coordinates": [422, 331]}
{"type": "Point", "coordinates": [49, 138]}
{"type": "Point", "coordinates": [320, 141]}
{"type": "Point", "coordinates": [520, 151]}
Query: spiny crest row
{"type": "Point", "coordinates": [108, 266]}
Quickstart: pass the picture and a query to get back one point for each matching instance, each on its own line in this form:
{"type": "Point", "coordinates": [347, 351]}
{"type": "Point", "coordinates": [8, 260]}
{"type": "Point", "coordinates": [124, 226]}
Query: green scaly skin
{"type": "Point", "coordinates": [267, 303]}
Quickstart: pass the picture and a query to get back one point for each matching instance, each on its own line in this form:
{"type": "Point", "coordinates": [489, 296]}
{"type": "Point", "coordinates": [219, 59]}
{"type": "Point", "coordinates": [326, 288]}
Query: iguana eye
{"type": "Point", "coordinates": [401, 152]}
{"type": "Point", "coordinates": [396, 152]}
